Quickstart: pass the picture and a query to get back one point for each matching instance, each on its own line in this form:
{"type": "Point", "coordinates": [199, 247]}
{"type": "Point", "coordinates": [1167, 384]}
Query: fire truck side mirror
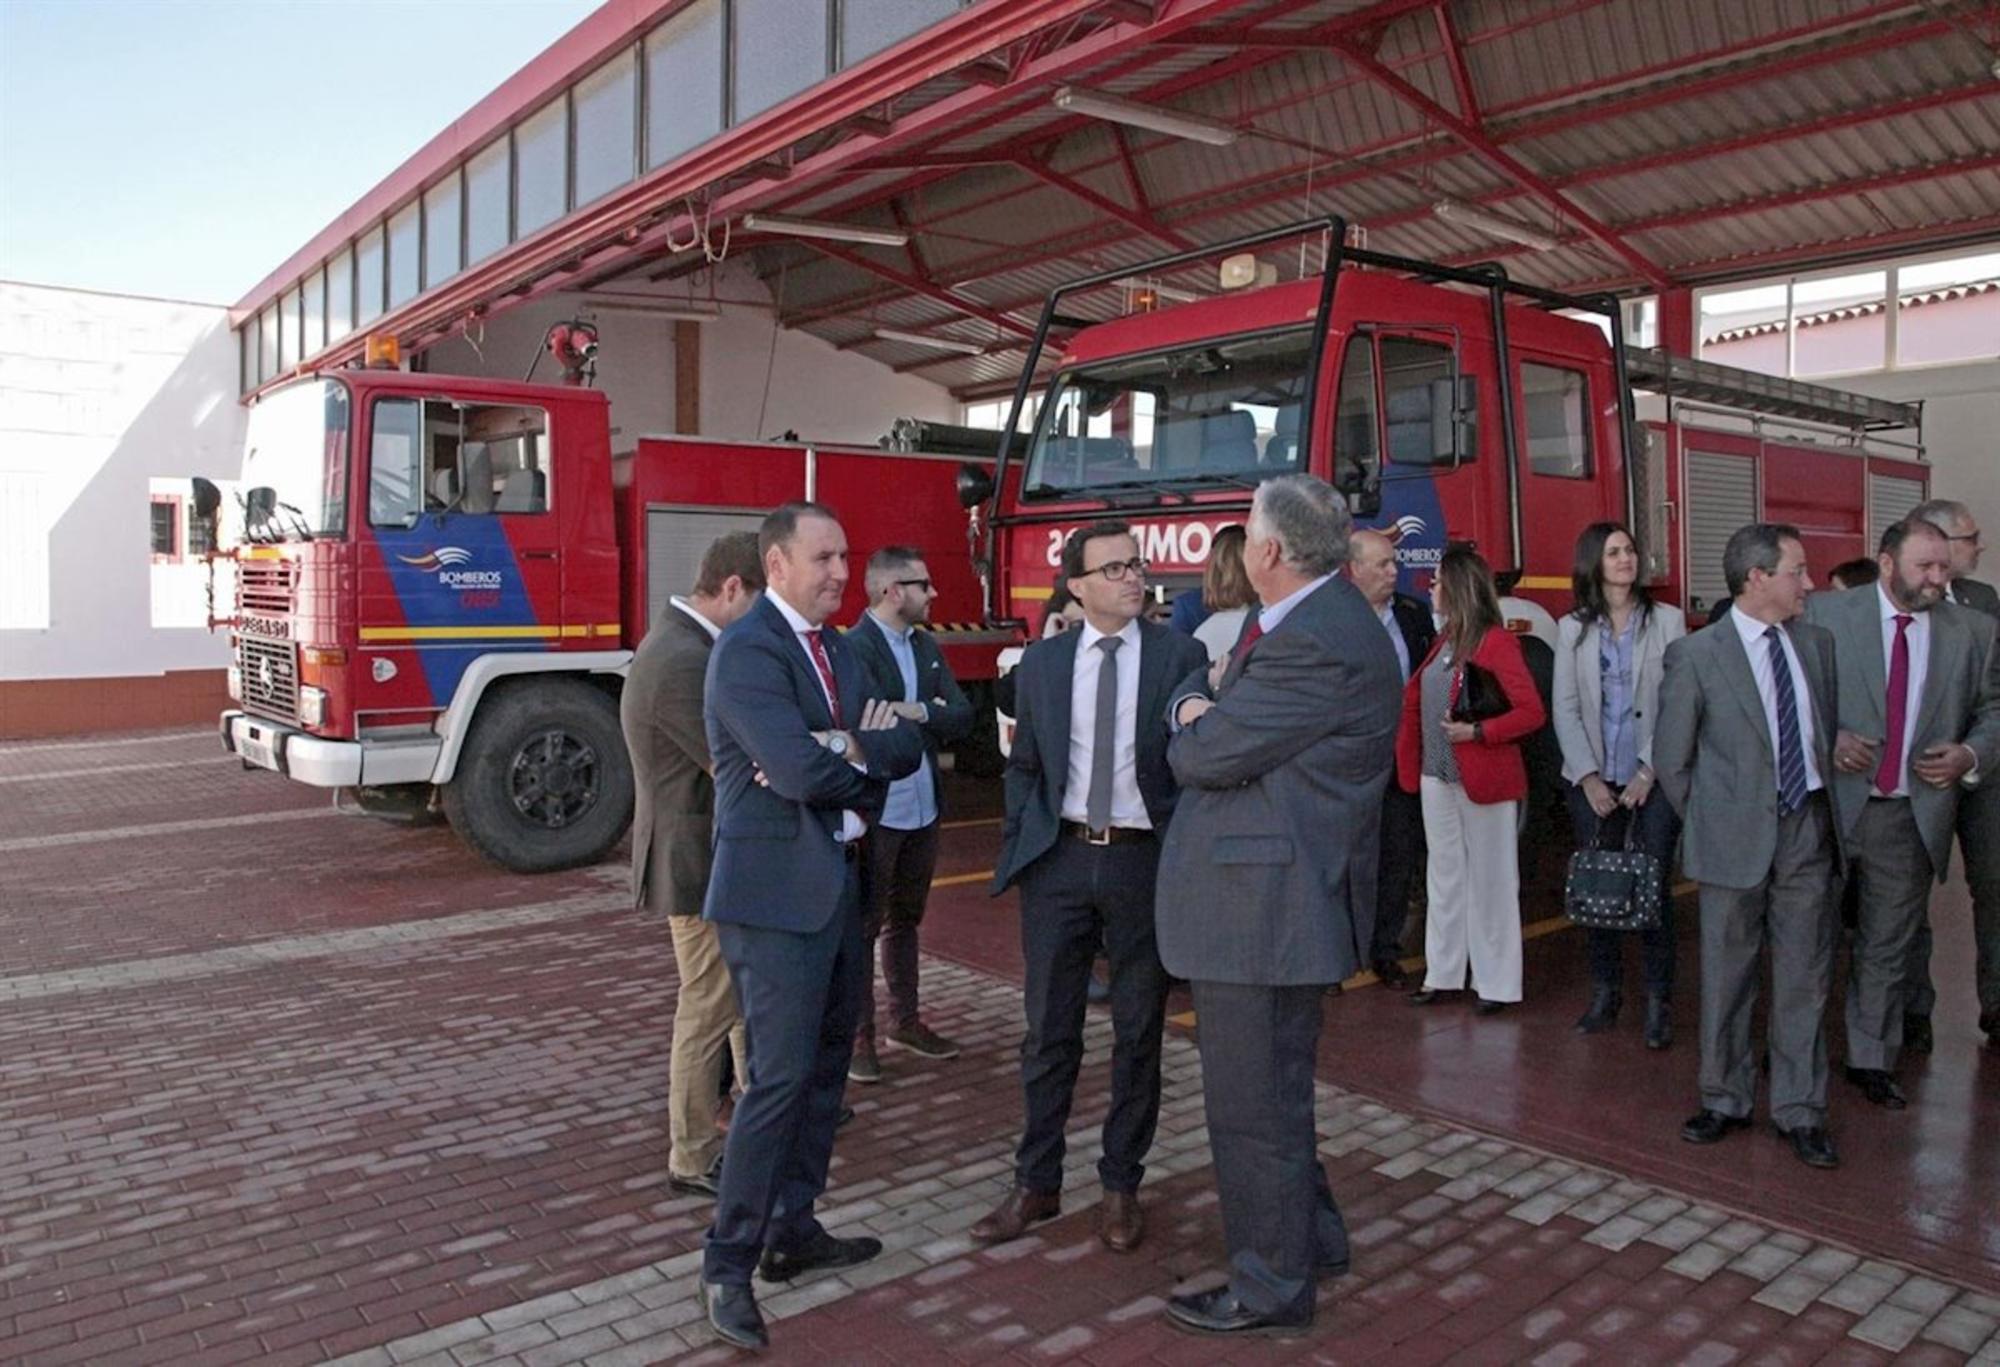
{"type": "Point", "coordinates": [975, 485]}
{"type": "Point", "coordinates": [207, 498]}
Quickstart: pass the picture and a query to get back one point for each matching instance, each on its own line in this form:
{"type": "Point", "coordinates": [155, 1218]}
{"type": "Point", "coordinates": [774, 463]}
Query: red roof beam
{"type": "Point", "coordinates": [972, 308]}
{"type": "Point", "coordinates": [1131, 218]}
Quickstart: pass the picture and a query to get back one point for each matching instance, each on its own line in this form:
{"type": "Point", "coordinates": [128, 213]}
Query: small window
{"type": "Point", "coordinates": [1357, 445]}
{"type": "Point", "coordinates": [446, 458]}
{"type": "Point", "coordinates": [441, 203]}
{"type": "Point", "coordinates": [1417, 401]}
{"type": "Point", "coordinates": [605, 130]}
{"type": "Point", "coordinates": [339, 294]}
{"type": "Point", "coordinates": [405, 254]}
{"type": "Point", "coordinates": [684, 61]}
{"type": "Point", "coordinates": [368, 277]}
{"type": "Point", "coordinates": [267, 344]}
{"type": "Point", "coordinates": [315, 291]}
{"type": "Point", "coordinates": [541, 167]}
{"type": "Point", "coordinates": [166, 531]}
{"type": "Point", "coordinates": [199, 542]}
{"type": "Point", "coordinates": [1554, 406]}
{"type": "Point", "coordinates": [781, 49]}
{"type": "Point", "coordinates": [866, 29]}
{"type": "Point", "coordinates": [486, 229]}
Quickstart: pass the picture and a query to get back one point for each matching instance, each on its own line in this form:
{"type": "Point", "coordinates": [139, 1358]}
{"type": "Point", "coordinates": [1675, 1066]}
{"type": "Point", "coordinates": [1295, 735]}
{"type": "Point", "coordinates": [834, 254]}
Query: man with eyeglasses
{"type": "Point", "coordinates": [1089, 793]}
{"type": "Point", "coordinates": [901, 848]}
{"type": "Point", "coordinates": [1978, 816]}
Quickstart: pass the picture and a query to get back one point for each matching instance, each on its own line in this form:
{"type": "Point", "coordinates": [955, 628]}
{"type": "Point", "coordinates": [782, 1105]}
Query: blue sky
{"type": "Point", "coordinates": [185, 148]}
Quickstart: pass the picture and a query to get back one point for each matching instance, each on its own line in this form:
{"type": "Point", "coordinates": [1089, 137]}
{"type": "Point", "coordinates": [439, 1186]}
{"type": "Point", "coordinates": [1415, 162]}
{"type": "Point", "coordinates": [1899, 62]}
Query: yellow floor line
{"type": "Point", "coordinates": [969, 822]}
{"type": "Point", "coordinates": [958, 879]}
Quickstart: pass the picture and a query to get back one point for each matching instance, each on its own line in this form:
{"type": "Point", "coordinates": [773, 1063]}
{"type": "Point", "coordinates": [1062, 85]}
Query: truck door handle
{"type": "Point", "coordinates": [541, 555]}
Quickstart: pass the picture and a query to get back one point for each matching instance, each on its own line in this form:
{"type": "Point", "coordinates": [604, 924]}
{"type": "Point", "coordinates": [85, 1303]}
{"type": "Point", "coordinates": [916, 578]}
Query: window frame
{"type": "Point", "coordinates": [176, 522]}
{"type": "Point", "coordinates": [1577, 369]}
{"type": "Point", "coordinates": [426, 470]}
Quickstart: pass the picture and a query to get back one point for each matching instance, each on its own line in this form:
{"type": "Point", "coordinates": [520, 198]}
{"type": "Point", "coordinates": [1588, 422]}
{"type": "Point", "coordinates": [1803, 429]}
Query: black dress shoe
{"type": "Point", "coordinates": [1391, 972]}
{"type": "Point", "coordinates": [1219, 1312]}
{"type": "Point", "coordinates": [1489, 1008]}
{"type": "Point", "coordinates": [732, 1310]}
{"type": "Point", "coordinates": [823, 1250]}
{"type": "Point", "coordinates": [1659, 1022]}
{"type": "Point", "coordinates": [1430, 996]}
{"type": "Point", "coordinates": [1708, 1127]}
{"type": "Point", "coordinates": [1330, 1267]}
{"type": "Point", "coordinates": [846, 1114]}
{"type": "Point", "coordinates": [1917, 1036]}
{"type": "Point", "coordinates": [707, 1184]}
{"type": "Point", "coordinates": [1602, 1013]}
{"type": "Point", "coordinates": [1879, 1087]}
{"type": "Point", "coordinates": [1812, 1144]}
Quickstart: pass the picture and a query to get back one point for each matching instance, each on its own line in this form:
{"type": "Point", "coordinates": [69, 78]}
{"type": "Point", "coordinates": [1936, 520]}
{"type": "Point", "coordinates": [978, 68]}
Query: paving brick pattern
{"type": "Point", "coordinates": [383, 1106]}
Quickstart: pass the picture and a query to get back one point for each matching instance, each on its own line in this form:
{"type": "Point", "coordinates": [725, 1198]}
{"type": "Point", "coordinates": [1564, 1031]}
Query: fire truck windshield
{"type": "Point", "coordinates": [295, 463]}
{"type": "Point", "coordinates": [1225, 411]}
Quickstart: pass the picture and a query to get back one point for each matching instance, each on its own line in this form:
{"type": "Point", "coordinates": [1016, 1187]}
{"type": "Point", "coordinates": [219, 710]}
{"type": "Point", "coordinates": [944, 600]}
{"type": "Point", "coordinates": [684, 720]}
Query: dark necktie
{"type": "Point", "coordinates": [825, 667]}
{"type": "Point", "coordinates": [1104, 738]}
{"type": "Point", "coordinates": [1791, 754]}
{"type": "Point", "coordinates": [1250, 638]}
{"type": "Point", "coordinates": [1889, 773]}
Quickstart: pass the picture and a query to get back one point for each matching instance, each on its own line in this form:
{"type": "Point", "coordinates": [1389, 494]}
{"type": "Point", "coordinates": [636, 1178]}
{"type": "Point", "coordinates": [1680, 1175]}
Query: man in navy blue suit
{"type": "Point", "coordinates": [804, 750]}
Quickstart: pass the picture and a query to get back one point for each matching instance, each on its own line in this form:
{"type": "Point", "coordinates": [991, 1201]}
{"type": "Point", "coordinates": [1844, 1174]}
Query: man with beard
{"type": "Point", "coordinates": [1918, 711]}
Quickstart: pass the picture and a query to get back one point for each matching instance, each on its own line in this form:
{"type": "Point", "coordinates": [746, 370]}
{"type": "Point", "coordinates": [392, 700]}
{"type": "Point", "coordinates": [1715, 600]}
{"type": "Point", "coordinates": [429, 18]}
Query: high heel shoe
{"type": "Point", "coordinates": [1603, 1012]}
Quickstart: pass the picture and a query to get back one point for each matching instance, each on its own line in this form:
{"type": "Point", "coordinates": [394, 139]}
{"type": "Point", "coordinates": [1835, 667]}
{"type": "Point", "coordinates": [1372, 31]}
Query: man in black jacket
{"type": "Point", "coordinates": [901, 848]}
{"type": "Point", "coordinates": [1089, 794]}
{"type": "Point", "coordinates": [1372, 566]}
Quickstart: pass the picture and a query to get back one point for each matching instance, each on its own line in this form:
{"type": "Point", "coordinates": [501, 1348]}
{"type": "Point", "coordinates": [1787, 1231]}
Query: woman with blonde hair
{"type": "Point", "coordinates": [1225, 593]}
{"type": "Point", "coordinates": [1465, 713]}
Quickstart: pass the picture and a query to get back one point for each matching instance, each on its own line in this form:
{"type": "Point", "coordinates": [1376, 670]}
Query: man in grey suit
{"type": "Point", "coordinates": [1267, 889]}
{"type": "Point", "coordinates": [672, 823]}
{"type": "Point", "coordinates": [1744, 751]}
{"type": "Point", "coordinates": [1918, 711]}
{"type": "Point", "coordinates": [1978, 816]}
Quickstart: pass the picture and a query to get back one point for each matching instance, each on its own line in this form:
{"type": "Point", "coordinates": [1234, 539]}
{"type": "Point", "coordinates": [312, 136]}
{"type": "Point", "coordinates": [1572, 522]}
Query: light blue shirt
{"type": "Point", "coordinates": [1271, 616]}
{"type": "Point", "coordinates": [912, 803]}
{"type": "Point", "coordinates": [1614, 672]}
{"type": "Point", "coordinates": [1395, 630]}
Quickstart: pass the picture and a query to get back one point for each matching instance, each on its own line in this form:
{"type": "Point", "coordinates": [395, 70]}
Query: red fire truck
{"type": "Point", "coordinates": [440, 580]}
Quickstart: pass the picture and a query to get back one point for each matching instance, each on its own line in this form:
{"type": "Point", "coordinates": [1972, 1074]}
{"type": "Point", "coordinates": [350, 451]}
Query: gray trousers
{"type": "Point", "coordinates": [1279, 1219]}
{"type": "Point", "coordinates": [1979, 846]}
{"type": "Point", "coordinates": [1795, 910]}
{"type": "Point", "coordinates": [1889, 862]}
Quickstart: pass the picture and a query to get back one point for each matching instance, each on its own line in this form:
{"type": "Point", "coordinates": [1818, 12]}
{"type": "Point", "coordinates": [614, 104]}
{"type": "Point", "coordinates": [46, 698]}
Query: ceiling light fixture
{"type": "Point", "coordinates": [919, 339]}
{"type": "Point", "coordinates": [677, 310]}
{"type": "Point", "coordinates": [832, 232]}
{"type": "Point", "coordinates": [1471, 216]}
{"type": "Point", "coordinates": [1151, 117]}
{"type": "Point", "coordinates": [1172, 292]}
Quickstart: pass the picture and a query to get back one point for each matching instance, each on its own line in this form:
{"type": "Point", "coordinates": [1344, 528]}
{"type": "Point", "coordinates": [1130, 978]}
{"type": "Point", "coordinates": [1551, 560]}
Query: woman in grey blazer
{"type": "Point", "coordinates": [1609, 653]}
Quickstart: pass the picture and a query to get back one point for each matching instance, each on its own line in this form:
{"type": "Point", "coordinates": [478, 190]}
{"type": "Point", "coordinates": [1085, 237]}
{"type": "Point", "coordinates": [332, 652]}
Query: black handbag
{"type": "Point", "coordinates": [1480, 696]}
{"type": "Point", "coordinates": [1613, 889]}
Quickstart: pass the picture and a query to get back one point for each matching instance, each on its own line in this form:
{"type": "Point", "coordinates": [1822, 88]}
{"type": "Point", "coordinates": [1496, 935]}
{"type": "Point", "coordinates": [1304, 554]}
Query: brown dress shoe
{"type": "Point", "coordinates": [1120, 1222]}
{"type": "Point", "coordinates": [1011, 1218]}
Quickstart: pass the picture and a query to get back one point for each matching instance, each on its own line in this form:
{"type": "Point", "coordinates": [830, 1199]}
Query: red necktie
{"type": "Point", "coordinates": [1250, 638]}
{"type": "Point", "coordinates": [825, 668]}
{"type": "Point", "coordinates": [1889, 774]}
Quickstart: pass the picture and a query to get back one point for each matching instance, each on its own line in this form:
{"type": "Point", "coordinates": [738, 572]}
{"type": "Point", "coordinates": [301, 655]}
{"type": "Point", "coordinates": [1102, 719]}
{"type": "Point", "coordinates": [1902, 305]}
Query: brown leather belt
{"type": "Point", "coordinates": [1112, 835]}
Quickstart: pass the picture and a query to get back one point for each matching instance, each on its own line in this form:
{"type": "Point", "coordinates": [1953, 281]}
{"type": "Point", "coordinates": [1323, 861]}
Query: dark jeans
{"type": "Point", "coordinates": [799, 994]}
{"type": "Point", "coordinates": [1402, 855]}
{"type": "Point", "coordinates": [900, 865]}
{"type": "Point", "coordinates": [1069, 898]}
{"type": "Point", "coordinates": [1658, 834]}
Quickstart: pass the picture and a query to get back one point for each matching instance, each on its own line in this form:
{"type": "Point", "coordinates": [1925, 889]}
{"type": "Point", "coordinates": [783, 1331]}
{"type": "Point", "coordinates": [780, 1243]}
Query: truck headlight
{"type": "Point", "coordinates": [235, 683]}
{"type": "Point", "coordinates": [312, 706]}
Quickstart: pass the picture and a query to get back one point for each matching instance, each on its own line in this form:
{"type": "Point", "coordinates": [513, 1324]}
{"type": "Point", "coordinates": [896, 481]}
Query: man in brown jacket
{"type": "Point", "coordinates": [661, 713]}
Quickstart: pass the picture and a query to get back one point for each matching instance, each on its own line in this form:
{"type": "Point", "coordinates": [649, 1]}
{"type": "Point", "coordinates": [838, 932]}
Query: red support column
{"type": "Point", "coordinates": [1677, 321]}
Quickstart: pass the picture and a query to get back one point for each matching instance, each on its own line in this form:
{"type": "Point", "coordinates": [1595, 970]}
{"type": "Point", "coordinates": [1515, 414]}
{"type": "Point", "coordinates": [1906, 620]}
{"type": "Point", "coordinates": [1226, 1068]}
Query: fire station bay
{"type": "Point", "coordinates": [339, 1022]}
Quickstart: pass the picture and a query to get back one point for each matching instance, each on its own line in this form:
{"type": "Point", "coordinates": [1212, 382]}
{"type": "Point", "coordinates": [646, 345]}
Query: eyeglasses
{"type": "Point", "coordinates": [1116, 570]}
{"type": "Point", "coordinates": [913, 584]}
{"type": "Point", "coordinates": [1973, 537]}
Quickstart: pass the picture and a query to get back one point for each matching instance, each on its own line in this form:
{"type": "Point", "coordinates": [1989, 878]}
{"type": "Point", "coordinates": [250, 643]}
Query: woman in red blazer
{"type": "Point", "coordinates": [1472, 780]}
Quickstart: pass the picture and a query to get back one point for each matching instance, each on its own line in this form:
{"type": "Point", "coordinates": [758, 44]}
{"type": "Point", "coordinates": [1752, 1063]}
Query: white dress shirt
{"type": "Point", "coordinates": [1387, 614]}
{"type": "Point", "coordinates": [1270, 617]}
{"type": "Point", "coordinates": [1919, 633]}
{"type": "Point", "coordinates": [852, 827]}
{"type": "Point", "coordinates": [1759, 651]}
{"type": "Point", "coordinates": [711, 628]}
{"type": "Point", "coordinates": [1127, 807]}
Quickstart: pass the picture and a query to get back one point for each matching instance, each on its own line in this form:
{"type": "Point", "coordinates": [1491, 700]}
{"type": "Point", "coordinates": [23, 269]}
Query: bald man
{"type": "Point", "coordinates": [1372, 566]}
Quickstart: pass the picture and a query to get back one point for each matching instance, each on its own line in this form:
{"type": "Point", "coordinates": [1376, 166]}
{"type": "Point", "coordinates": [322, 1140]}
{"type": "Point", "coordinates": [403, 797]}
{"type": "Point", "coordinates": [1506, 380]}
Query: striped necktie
{"type": "Point", "coordinates": [1791, 754]}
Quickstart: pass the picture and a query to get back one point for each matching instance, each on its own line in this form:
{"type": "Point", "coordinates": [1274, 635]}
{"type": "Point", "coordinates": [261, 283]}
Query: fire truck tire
{"type": "Point", "coordinates": [544, 781]}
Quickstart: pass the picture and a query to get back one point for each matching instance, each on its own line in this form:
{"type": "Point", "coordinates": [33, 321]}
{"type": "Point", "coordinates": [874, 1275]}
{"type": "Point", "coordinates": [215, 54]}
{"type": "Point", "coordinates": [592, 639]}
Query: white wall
{"type": "Point", "coordinates": [748, 389]}
{"type": "Point", "coordinates": [101, 394]}
{"type": "Point", "coordinates": [1961, 433]}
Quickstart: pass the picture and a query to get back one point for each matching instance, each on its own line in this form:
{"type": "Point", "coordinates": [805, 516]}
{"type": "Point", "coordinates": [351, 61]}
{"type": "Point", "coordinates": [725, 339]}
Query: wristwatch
{"type": "Point", "coordinates": [837, 742]}
{"type": "Point", "coordinates": [1479, 731]}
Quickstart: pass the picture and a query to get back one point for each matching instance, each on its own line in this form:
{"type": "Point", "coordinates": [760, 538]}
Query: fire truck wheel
{"type": "Point", "coordinates": [544, 781]}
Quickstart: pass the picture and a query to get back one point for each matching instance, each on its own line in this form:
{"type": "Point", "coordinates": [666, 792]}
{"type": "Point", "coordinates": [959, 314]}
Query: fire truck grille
{"type": "Point", "coordinates": [270, 672]}
{"type": "Point", "coordinates": [265, 586]}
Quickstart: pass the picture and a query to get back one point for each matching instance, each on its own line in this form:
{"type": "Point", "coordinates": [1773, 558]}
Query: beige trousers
{"type": "Point", "coordinates": [705, 1018]}
{"type": "Point", "coordinates": [1474, 883]}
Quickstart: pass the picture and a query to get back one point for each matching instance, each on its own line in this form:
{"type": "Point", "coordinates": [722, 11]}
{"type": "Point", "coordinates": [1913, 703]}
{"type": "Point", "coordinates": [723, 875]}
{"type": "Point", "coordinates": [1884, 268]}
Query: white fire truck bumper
{"type": "Point", "coordinates": [306, 758]}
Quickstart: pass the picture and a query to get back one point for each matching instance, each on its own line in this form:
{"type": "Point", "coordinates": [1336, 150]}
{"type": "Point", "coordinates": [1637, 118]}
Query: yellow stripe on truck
{"type": "Point", "coordinates": [494, 632]}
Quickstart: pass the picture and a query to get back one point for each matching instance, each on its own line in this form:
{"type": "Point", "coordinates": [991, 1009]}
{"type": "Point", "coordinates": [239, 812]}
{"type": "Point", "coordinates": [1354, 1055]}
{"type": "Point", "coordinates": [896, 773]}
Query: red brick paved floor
{"type": "Point", "coordinates": [286, 1090]}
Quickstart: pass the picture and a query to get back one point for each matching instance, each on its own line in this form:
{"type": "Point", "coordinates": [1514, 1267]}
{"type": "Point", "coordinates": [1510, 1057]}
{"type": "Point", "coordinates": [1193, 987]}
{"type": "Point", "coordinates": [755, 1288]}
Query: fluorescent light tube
{"type": "Point", "coordinates": [919, 339]}
{"type": "Point", "coordinates": [1147, 116]}
{"type": "Point", "coordinates": [832, 232]}
{"type": "Point", "coordinates": [679, 310]}
{"type": "Point", "coordinates": [1470, 216]}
